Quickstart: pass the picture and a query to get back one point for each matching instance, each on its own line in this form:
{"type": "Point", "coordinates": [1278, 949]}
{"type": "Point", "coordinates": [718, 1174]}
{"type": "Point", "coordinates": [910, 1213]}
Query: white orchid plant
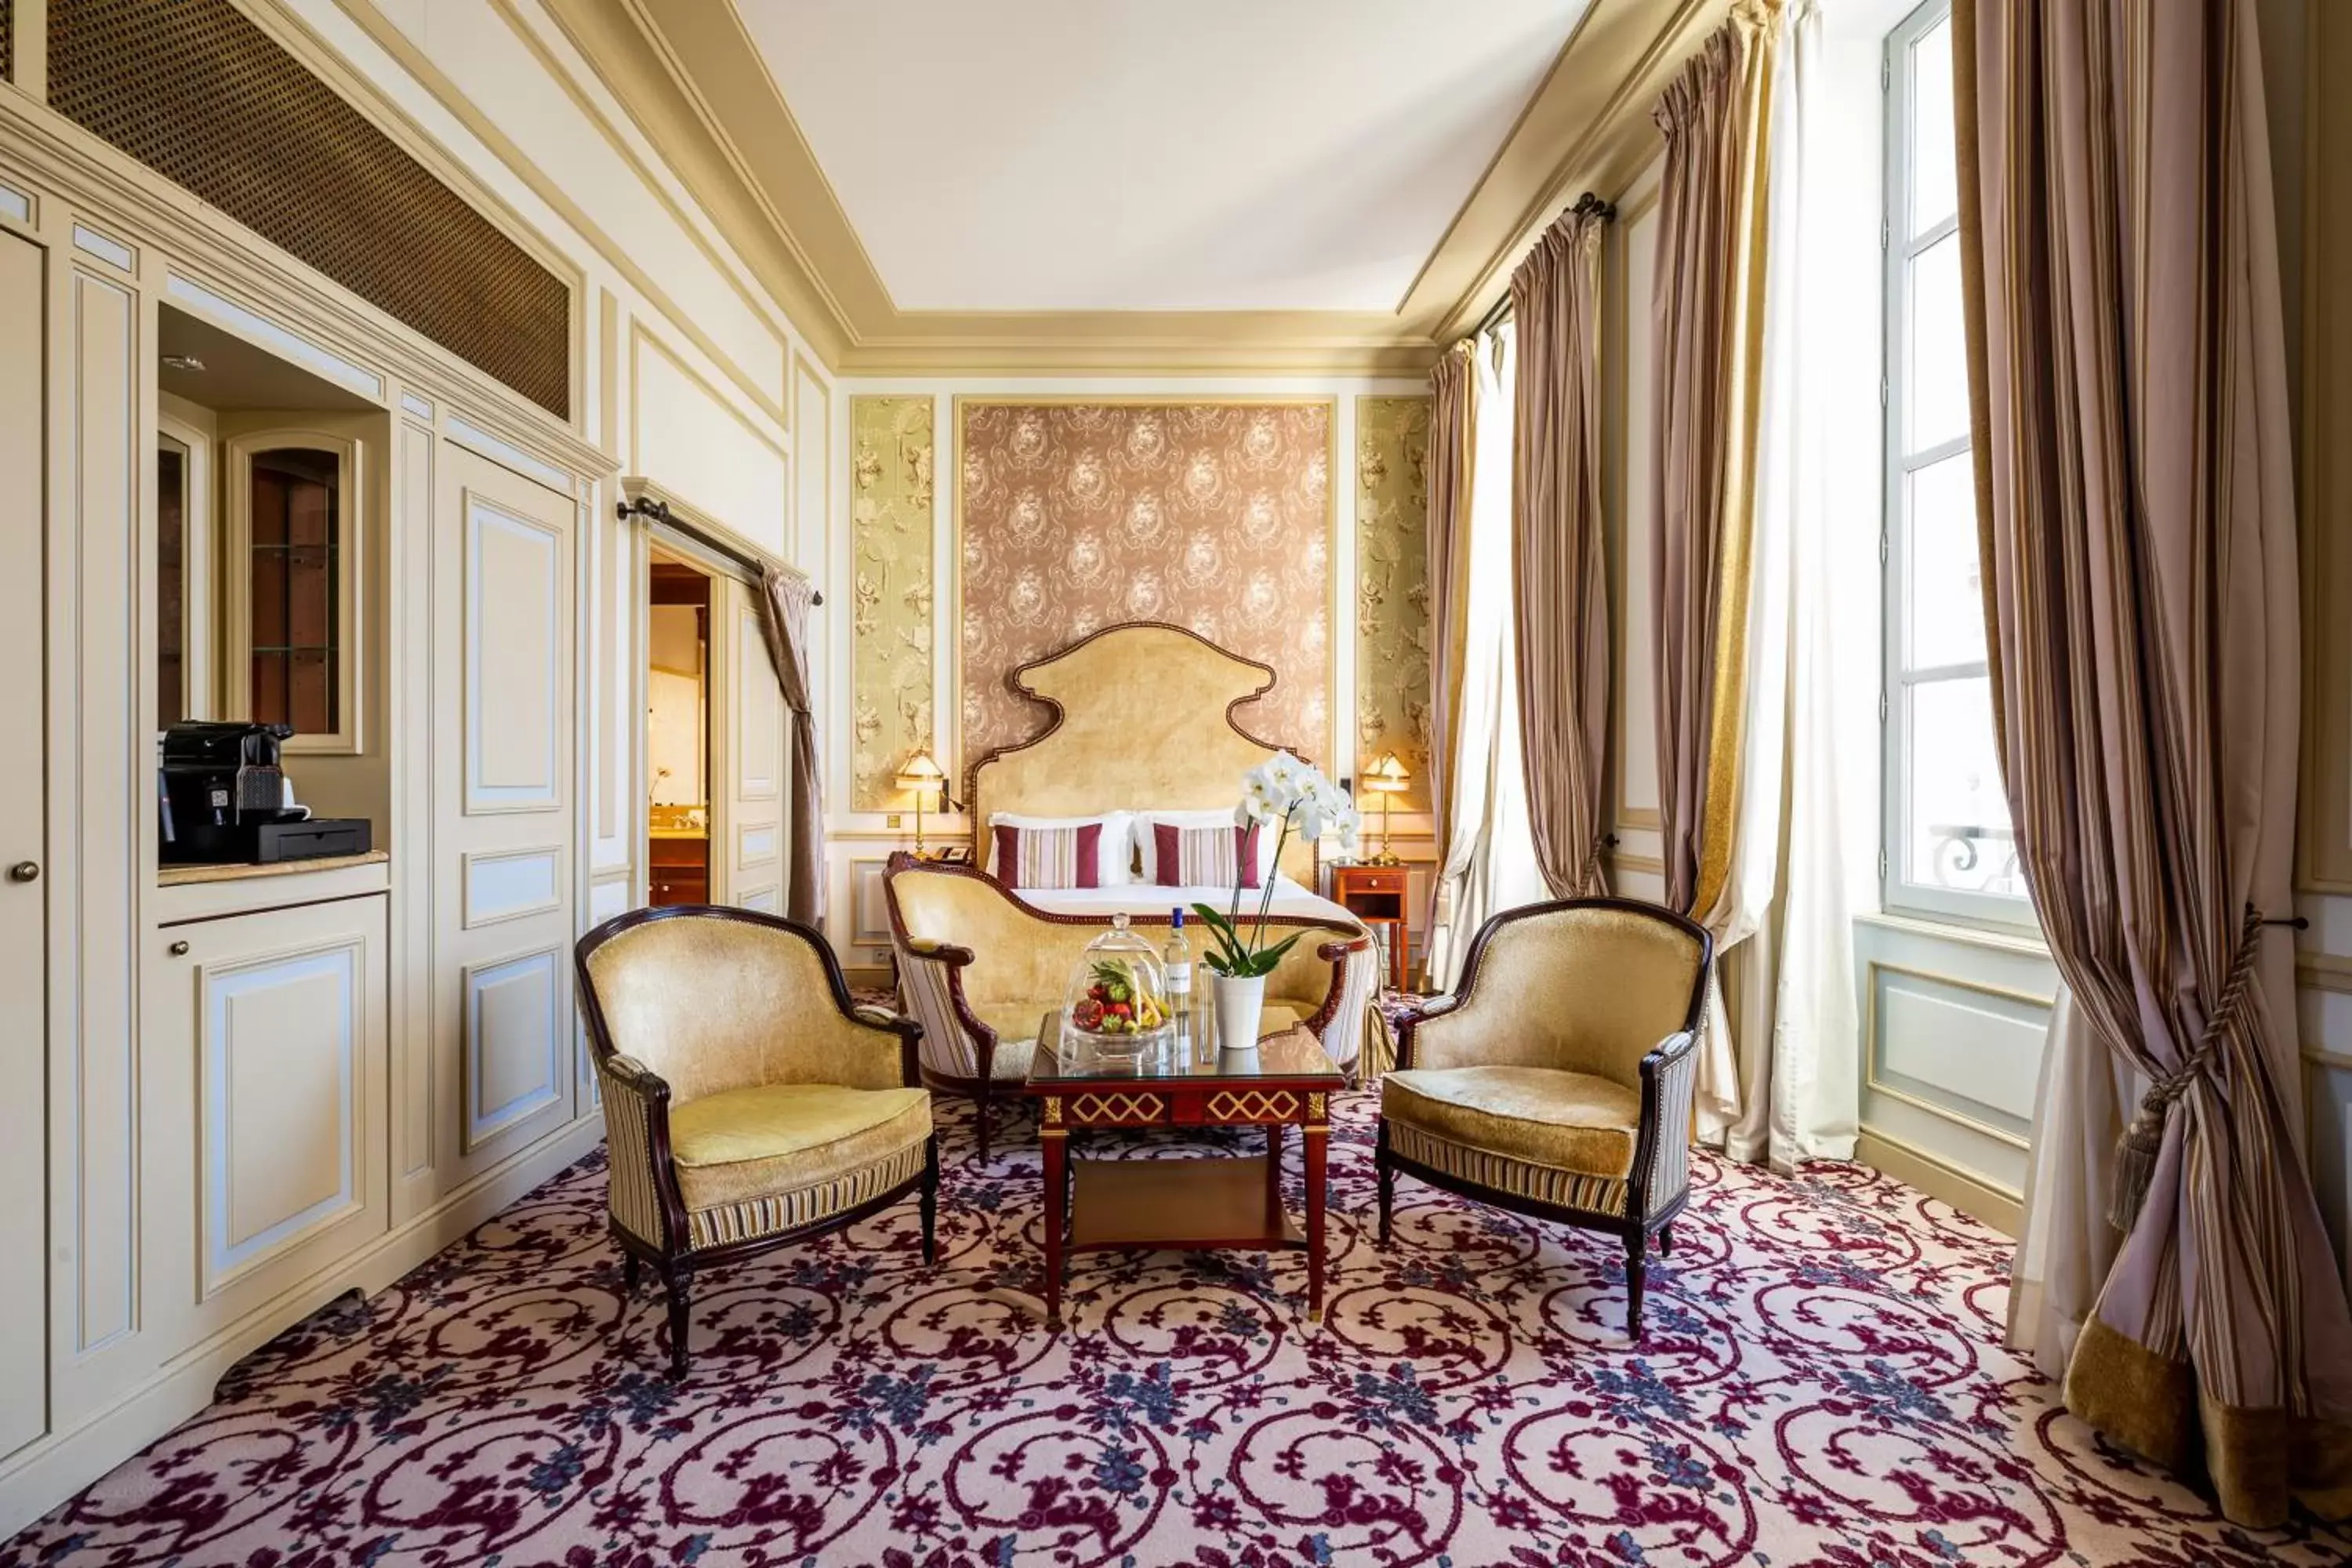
{"type": "Point", "coordinates": [1287, 796]}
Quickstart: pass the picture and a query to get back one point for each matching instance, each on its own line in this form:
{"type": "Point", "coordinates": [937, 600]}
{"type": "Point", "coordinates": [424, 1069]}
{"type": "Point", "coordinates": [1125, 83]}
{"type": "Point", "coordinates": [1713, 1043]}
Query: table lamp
{"type": "Point", "coordinates": [1385, 778]}
{"type": "Point", "coordinates": [920, 774]}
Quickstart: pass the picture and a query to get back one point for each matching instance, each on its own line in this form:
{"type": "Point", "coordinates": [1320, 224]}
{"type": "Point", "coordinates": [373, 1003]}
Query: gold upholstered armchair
{"type": "Point", "coordinates": [748, 1104]}
{"type": "Point", "coordinates": [1557, 1080]}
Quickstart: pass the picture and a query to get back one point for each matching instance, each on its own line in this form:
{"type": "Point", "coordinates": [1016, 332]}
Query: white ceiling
{"type": "Point", "coordinates": [1107, 154]}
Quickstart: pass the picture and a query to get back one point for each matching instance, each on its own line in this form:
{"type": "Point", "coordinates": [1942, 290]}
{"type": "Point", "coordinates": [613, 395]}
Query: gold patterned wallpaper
{"type": "Point", "coordinates": [1213, 516]}
{"type": "Point", "coordinates": [891, 629]}
{"type": "Point", "coordinates": [1393, 657]}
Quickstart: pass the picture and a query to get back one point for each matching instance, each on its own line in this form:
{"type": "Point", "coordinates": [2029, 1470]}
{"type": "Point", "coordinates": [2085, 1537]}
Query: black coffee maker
{"type": "Point", "coordinates": [220, 783]}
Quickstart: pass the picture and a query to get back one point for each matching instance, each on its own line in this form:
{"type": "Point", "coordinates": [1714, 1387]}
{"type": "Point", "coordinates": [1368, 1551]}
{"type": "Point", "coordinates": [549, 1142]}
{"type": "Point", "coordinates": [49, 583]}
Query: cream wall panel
{"type": "Point", "coordinates": [98, 809]}
{"type": "Point", "coordinates": [504, 654]}
{"type": "Point", "coordinates": [23, 915]}
{"type": "Point", "coordinates": [1954, 1024]}
{"type": "Point", "coordinates": [695, 444]}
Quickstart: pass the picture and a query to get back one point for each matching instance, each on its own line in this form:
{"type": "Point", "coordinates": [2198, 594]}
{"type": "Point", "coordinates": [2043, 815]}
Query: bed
{"type": "Point", "coordinates": [1145, 717]}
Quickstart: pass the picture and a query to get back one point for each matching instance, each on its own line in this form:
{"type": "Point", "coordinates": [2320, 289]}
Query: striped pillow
{"type": "Point", "coordinates": [1049, 857]}
{"type": "Point", "coordinates": [1204, 856]}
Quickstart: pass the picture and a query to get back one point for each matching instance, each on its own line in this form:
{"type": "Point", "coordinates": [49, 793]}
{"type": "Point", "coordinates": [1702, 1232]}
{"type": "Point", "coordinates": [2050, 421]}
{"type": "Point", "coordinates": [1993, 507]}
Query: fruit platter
{"type": "Point", "coordinates": [1120, 1011]}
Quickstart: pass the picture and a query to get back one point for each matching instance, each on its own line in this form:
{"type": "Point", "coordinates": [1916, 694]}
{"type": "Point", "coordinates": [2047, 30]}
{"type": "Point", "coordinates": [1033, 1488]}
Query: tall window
{"type": "Point", "coordinates": [1947, 848]}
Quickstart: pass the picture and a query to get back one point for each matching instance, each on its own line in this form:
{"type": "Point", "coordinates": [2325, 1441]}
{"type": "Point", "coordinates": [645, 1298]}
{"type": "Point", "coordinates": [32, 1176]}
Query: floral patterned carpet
{"type": "Point", "coordinates": [1821, 1385]}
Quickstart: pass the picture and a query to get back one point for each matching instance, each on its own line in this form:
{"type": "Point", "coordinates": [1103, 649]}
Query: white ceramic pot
{"type": "Point", "coordinates": [1241, 1003]}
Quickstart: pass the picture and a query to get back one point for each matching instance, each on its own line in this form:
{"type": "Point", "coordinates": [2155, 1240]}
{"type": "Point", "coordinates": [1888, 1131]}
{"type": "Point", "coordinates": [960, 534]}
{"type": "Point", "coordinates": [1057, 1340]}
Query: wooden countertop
{"type": "Point", "coordinates": [183, 875]}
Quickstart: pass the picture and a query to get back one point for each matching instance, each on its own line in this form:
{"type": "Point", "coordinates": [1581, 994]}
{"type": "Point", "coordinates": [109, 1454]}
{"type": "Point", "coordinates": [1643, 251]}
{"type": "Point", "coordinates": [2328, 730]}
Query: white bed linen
{"type": "Point", "coordinates": [1140, 899]}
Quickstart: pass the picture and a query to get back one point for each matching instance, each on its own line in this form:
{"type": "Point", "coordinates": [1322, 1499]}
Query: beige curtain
{"type": "Point", "coordinates": [2134, 479]}
{"type": "Point", "coordinates": [784, 599]}
{"type": "Point", "coordinates": [1452, 404]}
{"type": "Point", "coordinates": [1489, 863]}
{"type": "Point", "coordinates": [1708, 338]}
{"type": "Point", "coordinates": [1558, 583]}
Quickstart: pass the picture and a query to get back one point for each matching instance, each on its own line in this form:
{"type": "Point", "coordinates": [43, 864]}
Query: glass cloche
{"type": "Point", "coordinates": [1117, 998]}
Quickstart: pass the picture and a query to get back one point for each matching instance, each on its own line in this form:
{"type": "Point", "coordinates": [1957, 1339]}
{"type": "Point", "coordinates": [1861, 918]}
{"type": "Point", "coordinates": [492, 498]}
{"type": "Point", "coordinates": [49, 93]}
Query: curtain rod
{"type": "Point", "coordinates": [659, 511]}
{"type": "Point", "coordinates": [1586, 202]}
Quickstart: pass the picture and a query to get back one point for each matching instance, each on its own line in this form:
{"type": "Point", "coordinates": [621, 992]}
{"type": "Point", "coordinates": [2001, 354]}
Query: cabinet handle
{"type": "Point", "coordinates": [178, 949]}
{"type": "Point", "coordinates": [25, 871]}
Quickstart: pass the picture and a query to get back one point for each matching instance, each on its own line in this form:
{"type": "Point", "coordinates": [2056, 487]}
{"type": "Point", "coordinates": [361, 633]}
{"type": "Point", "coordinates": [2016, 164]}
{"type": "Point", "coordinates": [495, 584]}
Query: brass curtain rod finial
{"type": "Point", "coordinates": [1589, 203]}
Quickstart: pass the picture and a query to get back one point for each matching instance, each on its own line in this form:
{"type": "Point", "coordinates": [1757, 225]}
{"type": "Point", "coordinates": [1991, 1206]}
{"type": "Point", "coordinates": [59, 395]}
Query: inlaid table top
{"type": "Point", "coordinates": [1290, 1054]}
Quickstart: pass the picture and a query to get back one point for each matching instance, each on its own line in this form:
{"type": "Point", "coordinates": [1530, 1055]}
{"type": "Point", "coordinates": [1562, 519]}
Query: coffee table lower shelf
{"type": "Point", "coordinates": [1210, 1201]}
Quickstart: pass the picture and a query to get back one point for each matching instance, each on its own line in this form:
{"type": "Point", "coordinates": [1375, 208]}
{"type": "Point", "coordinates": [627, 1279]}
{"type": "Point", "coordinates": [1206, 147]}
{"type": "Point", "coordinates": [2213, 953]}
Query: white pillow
{"type": "Point", "coordinates": [1146, 841]}
{"type": "Point", "coordinates": [1116, 847]}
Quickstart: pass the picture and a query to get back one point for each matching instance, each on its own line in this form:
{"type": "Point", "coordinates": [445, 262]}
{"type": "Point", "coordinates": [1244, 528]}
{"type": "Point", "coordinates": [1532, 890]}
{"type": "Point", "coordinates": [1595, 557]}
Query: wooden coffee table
{"type": "Point", "coordinates": [1194, 1202]}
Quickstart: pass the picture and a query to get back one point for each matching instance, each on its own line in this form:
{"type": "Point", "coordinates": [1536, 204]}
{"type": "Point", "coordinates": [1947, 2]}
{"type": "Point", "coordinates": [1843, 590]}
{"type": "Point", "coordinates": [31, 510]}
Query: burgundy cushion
{"type": "Point", "coordinates": [1204, 856]}
{"type": "Point", "coordinates": [1049, 857]}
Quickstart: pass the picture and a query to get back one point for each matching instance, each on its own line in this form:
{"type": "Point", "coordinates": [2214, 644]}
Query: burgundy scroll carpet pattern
{"type": "Point", "coordinates": [1822, 1386]}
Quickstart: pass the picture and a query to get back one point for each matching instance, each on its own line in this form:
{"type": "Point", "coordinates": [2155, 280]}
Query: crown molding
{"type": "Point", "coordinates": [689, 75]}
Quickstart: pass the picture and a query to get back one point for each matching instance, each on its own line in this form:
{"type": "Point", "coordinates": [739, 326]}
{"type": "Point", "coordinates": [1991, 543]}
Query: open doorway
{"type": "Point", "coordinates": [678, 733]}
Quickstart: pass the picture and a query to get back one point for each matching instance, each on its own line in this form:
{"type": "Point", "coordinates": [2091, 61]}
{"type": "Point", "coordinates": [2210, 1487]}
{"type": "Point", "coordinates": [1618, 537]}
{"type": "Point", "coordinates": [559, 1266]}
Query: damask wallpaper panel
{"type": "Point", "coordinates": [893, 614]}
{"type": "Point", "coordinates": [1216, 516]}
{"type": "Point", "coordinates": [1392, 655]}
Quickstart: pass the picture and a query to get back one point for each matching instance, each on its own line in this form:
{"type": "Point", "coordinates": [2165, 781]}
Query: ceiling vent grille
{"type": "Point", "coordinates": [196, 91]}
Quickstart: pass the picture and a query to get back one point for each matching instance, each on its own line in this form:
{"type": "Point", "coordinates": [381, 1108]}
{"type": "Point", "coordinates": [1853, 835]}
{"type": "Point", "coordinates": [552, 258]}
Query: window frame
{"type": "Point", "coordinates": [1899, 248]}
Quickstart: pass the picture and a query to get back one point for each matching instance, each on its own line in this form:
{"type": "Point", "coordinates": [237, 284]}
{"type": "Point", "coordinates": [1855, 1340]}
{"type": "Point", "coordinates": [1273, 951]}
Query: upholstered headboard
{"type": "Point", "coordinates": [1143, 721]}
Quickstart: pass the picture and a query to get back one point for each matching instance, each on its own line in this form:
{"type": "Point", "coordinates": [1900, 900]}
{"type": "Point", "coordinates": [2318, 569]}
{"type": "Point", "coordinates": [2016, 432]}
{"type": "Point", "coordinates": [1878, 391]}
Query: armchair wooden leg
{"type": "Point", "coordinates": [1387, 1175]}
{"type": "Point", "coordinates": [1665, 1241]}
{"type": "Point", "coordinates": [630, 1269]}
{"type": "Point", "coordinates": [930, 1200]}
{"type": "Point", "coordinates": [679, 1281]}
{"type": "Point", "coordinates": [1634, 1271]}
{"type": "Point", "coordinates": [982, 1119]}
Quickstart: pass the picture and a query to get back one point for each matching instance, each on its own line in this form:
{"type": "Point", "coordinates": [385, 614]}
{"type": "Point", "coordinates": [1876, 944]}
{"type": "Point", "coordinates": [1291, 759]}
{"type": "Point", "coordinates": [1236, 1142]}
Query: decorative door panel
{"type": "Point", "coordinates": [746, 755]}
{"type": "Point", "coordinates": [284, 1102]}
{"type": "Point", "coordinates": [505, 787]}
{"type": "Point", "coordinates": [267, 1128]}
{"type": "Point", "coordinates": [23, 914]}
{"type": "Point", "coordinates": [517, 585]}
{"type": "Point", "coordinates": [100, 801]}
{"type": "Point", "coordinates": [514, 1042]}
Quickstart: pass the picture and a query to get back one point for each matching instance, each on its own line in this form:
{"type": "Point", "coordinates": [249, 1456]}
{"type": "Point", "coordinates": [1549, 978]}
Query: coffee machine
{"type": "Point", "coordinates": [224, 798]}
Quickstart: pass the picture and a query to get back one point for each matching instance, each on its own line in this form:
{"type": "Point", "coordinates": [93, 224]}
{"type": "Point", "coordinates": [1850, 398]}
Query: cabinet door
{"type": "Point", "coordinates": [24, 918]}
{"type": "Point", "coordinates": [505, 777]}
{"type": "Point", "coordinates": [267, 1037]}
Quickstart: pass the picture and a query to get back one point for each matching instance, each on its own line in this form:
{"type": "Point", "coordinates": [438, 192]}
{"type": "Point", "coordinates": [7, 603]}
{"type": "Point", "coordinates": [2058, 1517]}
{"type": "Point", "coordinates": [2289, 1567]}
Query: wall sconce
{"type": "Point", "coordinates": [1385, 778]}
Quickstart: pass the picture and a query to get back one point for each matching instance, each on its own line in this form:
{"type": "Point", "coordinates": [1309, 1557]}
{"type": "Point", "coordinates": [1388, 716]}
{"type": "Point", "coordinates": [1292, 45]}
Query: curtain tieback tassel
{"type": "Point", "coordinates": [2143, 1140]}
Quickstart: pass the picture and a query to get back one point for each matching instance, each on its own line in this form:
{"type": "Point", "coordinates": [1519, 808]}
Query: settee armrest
{"type": "Point", "coordinates": [1661, 1174]}
{"type": "Point", "coordinates": [955, 1043]}
{"type": "Point", "coordinates": [644, 1192]}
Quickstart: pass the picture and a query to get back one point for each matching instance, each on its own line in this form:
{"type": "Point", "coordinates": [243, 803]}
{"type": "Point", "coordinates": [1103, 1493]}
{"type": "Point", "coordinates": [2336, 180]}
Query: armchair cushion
{"type": "Point", "coordinates": [743, 1145]}
{"type": "Point", "coordinates": [1569, 1122]}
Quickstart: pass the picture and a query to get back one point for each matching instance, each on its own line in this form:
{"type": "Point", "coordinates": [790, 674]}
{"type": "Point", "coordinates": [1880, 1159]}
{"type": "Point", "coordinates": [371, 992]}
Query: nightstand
{"type": "Point", "coordinates": [1376, 896]}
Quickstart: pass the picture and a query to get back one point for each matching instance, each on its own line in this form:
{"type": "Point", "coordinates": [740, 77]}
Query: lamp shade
{"type": "Point", "coordinates": [920, 772]}
{"type": "Point", "coordinates": [1386, 777]}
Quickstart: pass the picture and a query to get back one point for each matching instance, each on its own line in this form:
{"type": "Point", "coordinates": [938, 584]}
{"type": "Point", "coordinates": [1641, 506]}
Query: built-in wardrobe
{"type": "Point", "coordinates": [233, 1093]}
